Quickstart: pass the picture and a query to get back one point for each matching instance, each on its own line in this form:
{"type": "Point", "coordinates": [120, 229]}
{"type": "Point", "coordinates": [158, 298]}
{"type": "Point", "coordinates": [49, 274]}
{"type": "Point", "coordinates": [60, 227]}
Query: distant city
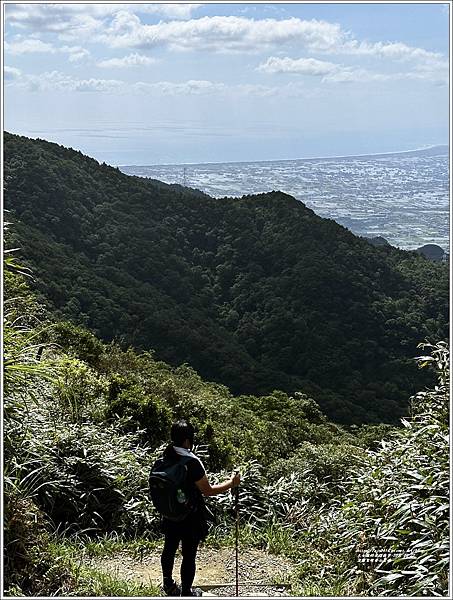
{"type": "Point", "coordinates": [403, 197]}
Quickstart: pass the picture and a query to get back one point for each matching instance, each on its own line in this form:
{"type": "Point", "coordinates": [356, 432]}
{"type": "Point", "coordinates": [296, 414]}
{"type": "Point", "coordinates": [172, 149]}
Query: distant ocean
{"type": "Point", "coordinates": [403, 197]}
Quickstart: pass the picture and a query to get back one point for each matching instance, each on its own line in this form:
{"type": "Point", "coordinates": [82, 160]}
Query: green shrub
{"type": "Point", "coordinates": [399, 505]}
{"type": "Point", "coordinates": [29, 566]}
{"type": "Point", "coordinates": [370, 436]}
{"type": "Point", "coordinates": [324, 468]}
{"type": "Point", "coordinates": [86, 476]}
{"type": "Point", "coordinates": [141, 411]}
{"type": "Point", "coordinates": [81, 391]}
{"type": "Point", "coordinates": [78, 342]}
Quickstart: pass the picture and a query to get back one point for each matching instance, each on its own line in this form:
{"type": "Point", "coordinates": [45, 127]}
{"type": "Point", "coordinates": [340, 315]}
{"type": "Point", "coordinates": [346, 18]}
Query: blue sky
{"type": "Point", "coordinates": [158, 83]}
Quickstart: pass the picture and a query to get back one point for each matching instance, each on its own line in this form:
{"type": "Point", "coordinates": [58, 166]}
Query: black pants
{"type": "Point", "coordinates": [190, 538]}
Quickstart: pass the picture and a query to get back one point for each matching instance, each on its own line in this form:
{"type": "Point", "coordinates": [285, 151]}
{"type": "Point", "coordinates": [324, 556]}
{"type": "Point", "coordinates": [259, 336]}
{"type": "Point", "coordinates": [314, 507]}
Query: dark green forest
{"type": "Point", "coordinates": [257, 293]}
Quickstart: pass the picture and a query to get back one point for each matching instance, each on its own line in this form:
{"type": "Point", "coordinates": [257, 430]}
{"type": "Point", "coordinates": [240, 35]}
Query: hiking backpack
{"type": "Point", "coordinates": [168, 488]}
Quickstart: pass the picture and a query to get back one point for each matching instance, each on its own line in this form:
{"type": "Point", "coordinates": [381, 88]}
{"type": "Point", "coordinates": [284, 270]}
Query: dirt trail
{"type": "Point", "coordinates": [213, 566]}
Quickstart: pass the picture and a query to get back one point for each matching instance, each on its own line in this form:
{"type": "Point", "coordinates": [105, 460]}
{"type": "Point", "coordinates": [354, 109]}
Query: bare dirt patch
{"type": "Point", "coordinates": [214, 566]}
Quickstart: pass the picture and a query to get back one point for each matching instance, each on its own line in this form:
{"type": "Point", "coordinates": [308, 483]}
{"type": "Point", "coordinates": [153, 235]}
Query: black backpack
{"type": "Point", "coordinates": [168, 488]}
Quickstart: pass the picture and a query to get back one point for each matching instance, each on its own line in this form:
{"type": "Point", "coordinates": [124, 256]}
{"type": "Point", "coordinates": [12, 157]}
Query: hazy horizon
{"type": "Point", "coordinates": [251, 160]}
{"type": "Point", "coordinates": [271, 160]}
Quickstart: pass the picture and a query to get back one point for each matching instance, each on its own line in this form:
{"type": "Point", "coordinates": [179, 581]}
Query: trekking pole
{"type": "Point", "coordinates": [236, 514]}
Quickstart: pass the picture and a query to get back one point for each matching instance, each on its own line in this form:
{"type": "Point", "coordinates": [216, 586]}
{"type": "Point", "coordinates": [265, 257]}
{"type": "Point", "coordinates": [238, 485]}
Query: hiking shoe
{"type": "Point", "coordinates": [172, 590]}
{"type": "Point", "coordinates": [193, 592]}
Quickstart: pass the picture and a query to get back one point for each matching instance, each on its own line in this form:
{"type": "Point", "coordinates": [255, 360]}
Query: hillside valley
{"type": "Point", "coordinates": [403, 197]}
{"type": "Point", "coordinates": [257, 293]}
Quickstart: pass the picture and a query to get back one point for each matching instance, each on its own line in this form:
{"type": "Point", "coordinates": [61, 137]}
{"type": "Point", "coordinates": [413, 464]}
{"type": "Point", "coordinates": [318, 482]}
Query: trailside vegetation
{"type": "Point", "coordinates": [256, 293]}
{"type": "Point", "coordinates": [361, 510]}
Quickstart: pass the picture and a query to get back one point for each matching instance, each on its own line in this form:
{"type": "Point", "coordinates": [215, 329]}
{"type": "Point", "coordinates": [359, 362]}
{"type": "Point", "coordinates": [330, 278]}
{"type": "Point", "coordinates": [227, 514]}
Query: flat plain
{"type": "Point", "coordinates": [403, 197]}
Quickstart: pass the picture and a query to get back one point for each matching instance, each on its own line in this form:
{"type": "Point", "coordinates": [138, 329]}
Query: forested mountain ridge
{"type": "Point", "coordinates": [258, 293]}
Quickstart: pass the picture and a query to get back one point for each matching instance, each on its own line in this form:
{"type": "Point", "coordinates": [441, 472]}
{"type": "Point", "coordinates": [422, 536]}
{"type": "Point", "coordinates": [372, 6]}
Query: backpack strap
{"type": "Point", "coordinates": [184, 459]}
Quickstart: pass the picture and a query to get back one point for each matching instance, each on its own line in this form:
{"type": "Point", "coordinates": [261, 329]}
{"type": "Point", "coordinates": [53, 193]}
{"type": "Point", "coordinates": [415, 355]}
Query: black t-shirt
{"type": "Point", "coordinates": [195, 472]}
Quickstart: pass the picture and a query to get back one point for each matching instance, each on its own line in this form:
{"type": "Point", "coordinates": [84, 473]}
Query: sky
{"type": "Point", "coordinates": [152, 83]}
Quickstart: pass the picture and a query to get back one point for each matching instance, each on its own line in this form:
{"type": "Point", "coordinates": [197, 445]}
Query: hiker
{"type": "Point", "coordinates": [194, 527]}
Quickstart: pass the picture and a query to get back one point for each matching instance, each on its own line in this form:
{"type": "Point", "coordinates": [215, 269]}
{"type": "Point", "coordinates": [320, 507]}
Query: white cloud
{"type": "Point", "coordinates": [60, 82]}
{"type": "Point", "coordinates": [96, 85]}
{"type": "Point", "coordinates": [359, 75]}
{"type": "Point", "coordinates": [119, 26]}
{"type": "Point", "coordinates": [352, 75]}
{"type": "Point", "coordinates": [132, 60]}
{"type": "Point", "coordinates": [302, 66]}
{"type": "Point", "coordinates": [76, 53]}
{"type": "Point", "coordinates": [11, 73]}
{"type": "Point", "coordinates": [390, 50]}
{"type": "Point", "coordinates": [327, 71]}
{"type": "Point", "coordinates": [211, 88]}
{"type": "Point", "coordinates": [191, 87]}
{"type": "Point", "coordinates": [261, 91]}
{"type": "Point", "coordinates": [171, 11]}
{"type": "Point", "coordinates": [221, 34]}
{"type": "Point", "coordinates": [33, 46]}
{"type": "Point", "coordinates": [436, 72]}
{"type": "Point", "coordinates": [75, 19]}
{"type": "Point", "coordinates": [30, 46]}
{"type": "Point", "coordinates": [241, 34]}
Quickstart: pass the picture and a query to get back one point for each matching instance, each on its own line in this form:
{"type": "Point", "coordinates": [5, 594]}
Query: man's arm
{"type": "Point", "coordinates": [212, 490]}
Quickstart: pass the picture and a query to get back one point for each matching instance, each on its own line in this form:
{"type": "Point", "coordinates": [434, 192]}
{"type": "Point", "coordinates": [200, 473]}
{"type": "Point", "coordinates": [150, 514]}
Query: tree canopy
{"type": "Point", "coordinates": [257, 293]}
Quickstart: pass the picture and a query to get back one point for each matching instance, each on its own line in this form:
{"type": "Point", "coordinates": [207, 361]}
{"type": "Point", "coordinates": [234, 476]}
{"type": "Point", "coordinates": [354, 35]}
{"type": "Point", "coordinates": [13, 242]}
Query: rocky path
{"type": "Point", "coordinates": [214, 566]}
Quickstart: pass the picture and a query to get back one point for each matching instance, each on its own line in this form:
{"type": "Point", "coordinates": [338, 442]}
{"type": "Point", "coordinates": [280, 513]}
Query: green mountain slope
{"type": "Point", "coordinates": [258, 293]}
